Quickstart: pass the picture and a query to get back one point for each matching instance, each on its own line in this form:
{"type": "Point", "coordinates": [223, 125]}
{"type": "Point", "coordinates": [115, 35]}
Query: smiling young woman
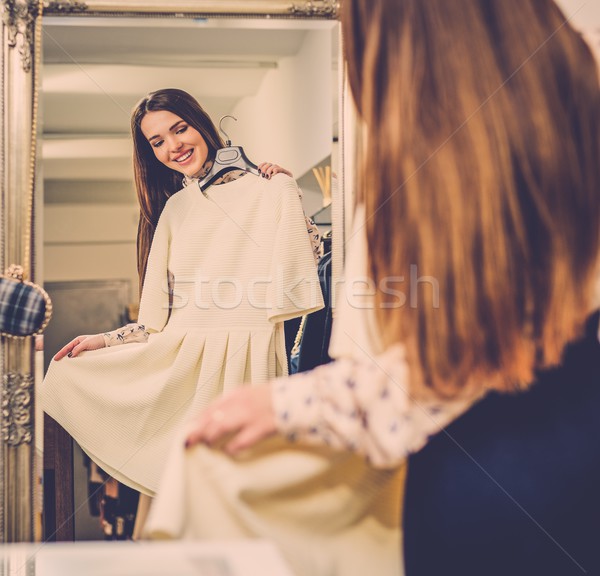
{"type": "Point", "coordinates": [182, 353]}
{"type": "Point", "coordinates": [166, 125]}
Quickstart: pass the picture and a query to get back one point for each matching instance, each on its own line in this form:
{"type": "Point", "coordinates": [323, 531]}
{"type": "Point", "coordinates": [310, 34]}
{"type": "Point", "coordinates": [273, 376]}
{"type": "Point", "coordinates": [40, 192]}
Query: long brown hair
{"type": "Point", "coordinates": [154, 182]}
{"type": "Point", "coordinates": [482, 167]}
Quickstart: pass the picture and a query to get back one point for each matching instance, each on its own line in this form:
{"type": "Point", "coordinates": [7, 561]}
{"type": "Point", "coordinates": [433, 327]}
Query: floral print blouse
{"type": "Point", "coordinates": [363, 406]}
{"type": "Point", "coordinates": [129, 333]}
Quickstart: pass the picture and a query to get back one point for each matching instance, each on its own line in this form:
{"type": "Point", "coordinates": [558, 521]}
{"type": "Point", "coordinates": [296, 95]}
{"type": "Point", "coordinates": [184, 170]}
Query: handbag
{"type": "Point", "coordinates": [25, 307]}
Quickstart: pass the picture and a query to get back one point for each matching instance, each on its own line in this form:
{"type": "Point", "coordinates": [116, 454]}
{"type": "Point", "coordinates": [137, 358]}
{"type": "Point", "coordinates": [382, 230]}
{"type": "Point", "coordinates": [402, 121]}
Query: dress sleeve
{"type": "Point", "coordinates": [154, 304]}
{"type": "Point", "coordinates": [294, 289]}
{"type": "Point", "coordinates": [361, 406]}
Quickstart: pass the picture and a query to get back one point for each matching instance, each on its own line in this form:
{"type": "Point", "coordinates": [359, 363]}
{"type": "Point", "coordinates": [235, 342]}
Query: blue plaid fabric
{"type": "Point", "coordinates": [22, 308]}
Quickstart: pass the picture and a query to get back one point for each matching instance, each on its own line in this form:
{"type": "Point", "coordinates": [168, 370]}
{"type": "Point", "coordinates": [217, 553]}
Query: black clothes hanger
{"type": "Point", "coordinates": [227, 159]}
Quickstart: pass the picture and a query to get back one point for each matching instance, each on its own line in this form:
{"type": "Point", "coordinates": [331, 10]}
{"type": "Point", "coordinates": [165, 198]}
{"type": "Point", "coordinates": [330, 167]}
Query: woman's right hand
{"type": "Point", "coordinates": [79, 344]}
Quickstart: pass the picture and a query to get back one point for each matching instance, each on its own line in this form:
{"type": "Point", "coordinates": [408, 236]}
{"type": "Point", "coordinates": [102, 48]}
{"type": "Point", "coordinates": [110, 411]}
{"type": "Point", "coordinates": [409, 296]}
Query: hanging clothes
{"type": "Point", "coordinates": [312, 342]}
{"type": "Point", "coordinates": [241, 263]}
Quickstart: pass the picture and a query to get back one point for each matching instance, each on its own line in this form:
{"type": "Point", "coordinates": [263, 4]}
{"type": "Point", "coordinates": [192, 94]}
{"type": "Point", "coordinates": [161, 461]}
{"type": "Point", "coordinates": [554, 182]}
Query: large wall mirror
{"type": "Point", "coordinates": [273, 65]}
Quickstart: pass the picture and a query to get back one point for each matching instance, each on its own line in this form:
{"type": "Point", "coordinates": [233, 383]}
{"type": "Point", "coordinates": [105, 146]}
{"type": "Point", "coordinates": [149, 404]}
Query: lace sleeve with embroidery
{"type": "Point", "coordinates": [313, 233]}
{"type": "Point", "coordinates": [125, 335]}
{"type": "Point", "coordinates": [362, 406]}
{"type": "Point", "coordinates": [315, 237]}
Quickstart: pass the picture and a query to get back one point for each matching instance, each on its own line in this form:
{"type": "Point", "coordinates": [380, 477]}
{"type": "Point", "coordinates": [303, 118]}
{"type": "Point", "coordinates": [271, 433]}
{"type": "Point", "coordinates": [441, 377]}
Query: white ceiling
{"type": "Point", "coordinates": [112, 63]}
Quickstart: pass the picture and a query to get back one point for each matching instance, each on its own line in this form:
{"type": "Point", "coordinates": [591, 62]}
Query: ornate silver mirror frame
{"type": "Point", "coordinates": [20, 508]}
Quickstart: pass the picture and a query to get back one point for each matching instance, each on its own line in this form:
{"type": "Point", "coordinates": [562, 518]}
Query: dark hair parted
{"type": "Point", "coordinates": [482, 167]}
{"type": "Point", "coordinates": [154, 182]}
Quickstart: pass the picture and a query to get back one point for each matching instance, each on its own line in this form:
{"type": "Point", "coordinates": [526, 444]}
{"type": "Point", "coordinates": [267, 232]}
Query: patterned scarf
{"type": "Point", "coordinates": [228, 177]}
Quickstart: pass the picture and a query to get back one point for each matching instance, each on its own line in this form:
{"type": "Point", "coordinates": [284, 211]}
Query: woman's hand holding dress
{"type": "Point", "coordinates": [245, 414]}
{"type": "Point", "coordinates": [79, 344]}
{"type": "Point", "coordinates": [132, 332]}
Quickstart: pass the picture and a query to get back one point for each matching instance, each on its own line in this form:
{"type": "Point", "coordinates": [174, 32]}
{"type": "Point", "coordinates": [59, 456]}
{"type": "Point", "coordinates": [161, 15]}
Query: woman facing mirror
{"type": "Point", "coordinates": [483, 126]}
{"type": "Point", "coordinates": [194, 337]}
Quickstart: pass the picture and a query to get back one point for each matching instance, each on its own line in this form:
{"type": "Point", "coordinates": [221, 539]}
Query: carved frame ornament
{"type": "Point", "coordinates": [19, 19]}
{"type": "Point", "coordinates": [16, 409]}
{"type": "Point", "coordinates": [323, 9]}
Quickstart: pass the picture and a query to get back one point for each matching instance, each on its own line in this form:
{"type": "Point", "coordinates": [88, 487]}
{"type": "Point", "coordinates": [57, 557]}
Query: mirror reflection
{"type": "Point", "coordinates": [278, 78]}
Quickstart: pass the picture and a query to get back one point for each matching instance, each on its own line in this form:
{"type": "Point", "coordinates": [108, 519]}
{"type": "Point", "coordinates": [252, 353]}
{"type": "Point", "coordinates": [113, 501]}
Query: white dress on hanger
{"type": "Point", "coordinates": [329, 511]}
{"type": "Point", "coordinates": [242, 263]}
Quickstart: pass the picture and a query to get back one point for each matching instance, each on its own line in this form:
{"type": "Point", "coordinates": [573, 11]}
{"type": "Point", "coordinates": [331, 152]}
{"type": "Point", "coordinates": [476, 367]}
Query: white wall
{"type": "Point", "coordinates": [286, 121]}
{"type": "Point", "coordinates": [583, 14]}
{"type": "Point", "coordinates": [91, 242]}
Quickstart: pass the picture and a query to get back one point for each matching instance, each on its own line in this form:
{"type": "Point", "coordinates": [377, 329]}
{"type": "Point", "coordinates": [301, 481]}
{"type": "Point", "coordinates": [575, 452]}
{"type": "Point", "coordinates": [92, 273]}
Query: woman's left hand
{"type": "Point", "coordinates": [245, 414]}
{"type": "Point", "coordinates": [267, 170]}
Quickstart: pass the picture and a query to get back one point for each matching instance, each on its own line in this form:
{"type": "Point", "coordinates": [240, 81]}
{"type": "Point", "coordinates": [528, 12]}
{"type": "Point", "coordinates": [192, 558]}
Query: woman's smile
{"type": "Point", "coordinates": [183, 158]}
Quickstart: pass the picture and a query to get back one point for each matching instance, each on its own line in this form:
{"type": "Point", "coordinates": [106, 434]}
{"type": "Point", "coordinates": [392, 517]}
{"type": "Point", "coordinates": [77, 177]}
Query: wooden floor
{"type": "Point", "coordinates": [59, 512]}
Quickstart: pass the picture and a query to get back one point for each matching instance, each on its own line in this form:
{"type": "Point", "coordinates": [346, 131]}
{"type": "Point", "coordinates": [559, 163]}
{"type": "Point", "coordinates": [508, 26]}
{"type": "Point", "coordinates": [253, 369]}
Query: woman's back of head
{"type": "Point", "coordinates": [482, 168]}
